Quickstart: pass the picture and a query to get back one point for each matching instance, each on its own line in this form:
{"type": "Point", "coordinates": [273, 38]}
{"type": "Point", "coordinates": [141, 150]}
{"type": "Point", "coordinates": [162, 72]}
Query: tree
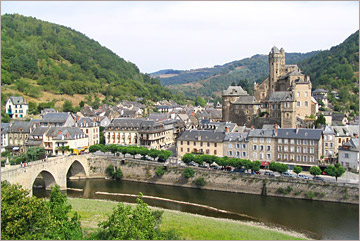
{"type": "Point", "coordinates": [114, 172]}
{"type": "Point", "coordinates": [335, 171]}
{"type": "Point", "coordinates": [35, 153]}
{"type": "Point", "coordinates": [188, 172]}
{"type": "Point", "coordinates": [64, 227]}
{"type": "Point", "coordinates": [123, 150]}
{"type": "Point", "coordinates": [199, 101]}
{"type": "Point", "coordinates": [188, 157]}
{"type": "Point", "coordinates": [153, 154]}
{"type": "Point", "coordinates": [282, 167]}
{"type": "Point", "coordinates": [320, 120]}
{"type": "Point", "coordinates": [32, 218]}
{"type": "Point", "coordinates": [200, 182]}
{"type": "Point", "coordinates": [33, 108]}
{"type": "Point", "coordinates": [95, 148]}
{"type": "Point", "coordinates": [164, 155]}
{"type": "Point", "coordinates": [160, 171]}
{"type": "Point", "coordinates": [5, 118]}
{"type": "Point", "coordinates": [68, 106]}
{"type": "Point", "coordinates": [113, 149]}
{"type": "Point", "coordinates": [143, 151]}
{"type": "Point", "coordinates": [132, 150]}
{"type": "Point", "coordinates": [255, 166]}
{"type": "Point", "coordinates": [297, 169]}
{"type": "Point", "coordinates": [315, 170]}
{"type": "Point", "coordinates": [81, 104]}
{"type": "Point", "coordinates": [126, 223]}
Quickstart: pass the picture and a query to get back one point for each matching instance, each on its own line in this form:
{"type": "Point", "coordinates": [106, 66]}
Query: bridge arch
{"type": "Point", "coordinates": [76, 169]}
{"type": "Point", "coordinates": [48, 179]}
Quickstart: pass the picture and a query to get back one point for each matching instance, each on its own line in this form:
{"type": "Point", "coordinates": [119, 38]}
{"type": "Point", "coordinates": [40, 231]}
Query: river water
{"type": "Point", "coordinates": [317, 220]}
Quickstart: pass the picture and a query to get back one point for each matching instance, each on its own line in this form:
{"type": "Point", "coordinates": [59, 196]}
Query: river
{"type": "Point", "coordinates": [318, 220]}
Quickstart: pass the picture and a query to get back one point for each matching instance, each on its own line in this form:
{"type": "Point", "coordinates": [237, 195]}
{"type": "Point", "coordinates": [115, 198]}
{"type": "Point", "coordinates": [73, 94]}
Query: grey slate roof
{"type": "Point", "coordinates": [158, 116]}
{"type": "Point", "coordinates": [246, 100]}
{"type": "Point", "coordinates": [275, 50]}
{"type": "Point", "coordinates": [319, 91]}
{"type": "Point", "coordinates": [60, 117]}
{"type": "Point", "coordinates": [349, 130]}
{"type": "Point", "coordinates": [217, 126]}
{"type": "Point", "coordinates": [261, 133]}
{"type": "Point", "coordinates": [235, 90]}
{"type": "Point", "coordinates": [86, 122]}
{"type": "Point", "coordinates": [39, 131]}
{"type": "Point", "coordinates": [328, 130]}
{"type": "Point", "coordinates": [352, 144]}
{"type": "Point", "coordinates": [209, 136]}
{"type": "Point", "coordinates": [300, 133]}
{"type": "Point", "coordinates": [141, 125]}
{"type": "Point", "coordinates": [279, 96]}
{"type": "Point", "coordinates": [17, 100]}
{"type": "Point", "coordinates": [20, 127]}
{"type": "Point", "coordinates": [74, 133]}
{"type": "Point", "coordinates": [33, 143]}
{"type": "Point", "coordinates": [4, 127]}
{"type": "Point", "coordinates": [235, 137]}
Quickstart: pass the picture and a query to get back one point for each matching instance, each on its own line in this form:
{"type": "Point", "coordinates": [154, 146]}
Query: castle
{"type": "Point", "coordinates": [283, 98]}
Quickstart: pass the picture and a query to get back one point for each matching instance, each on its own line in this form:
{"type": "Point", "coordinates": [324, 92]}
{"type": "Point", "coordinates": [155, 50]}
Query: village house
{"type": "Point", "coordinates": [349, 154]}
{"type": "Point", "coordinates": [18, 133]}
{"type": "Point", "coordinates": [236, 145]}
{"type": "Point", "coordinates": [90, 128]}
{"type": "Point", "coordinates": [16, 107]}
{"type": "Point", "coordinates": [57, 139]}
{"type": "Point", "coordinates": [261, 145]}
{"type": "Point", "coordinates": [61, 119]}
{"type": "Point", "coordinates": [4, 136]}
{"type": "Point", "coordinates": [344, 133]}
{"type": "Point", "coordinates": [200, 142]}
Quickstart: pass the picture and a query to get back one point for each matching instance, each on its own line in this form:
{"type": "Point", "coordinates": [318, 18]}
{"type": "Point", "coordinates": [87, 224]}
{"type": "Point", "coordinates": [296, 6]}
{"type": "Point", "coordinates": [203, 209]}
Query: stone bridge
{"type": "Point", "coordinates": [54, 170]}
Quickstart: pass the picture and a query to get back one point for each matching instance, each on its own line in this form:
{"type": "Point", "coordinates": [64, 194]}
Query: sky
{"type": "Point", "coordinates": [188, 35]}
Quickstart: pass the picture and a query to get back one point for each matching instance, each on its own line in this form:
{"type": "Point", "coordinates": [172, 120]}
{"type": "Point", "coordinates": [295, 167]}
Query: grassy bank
{"type": "Point", "coordinates": [189, 226]}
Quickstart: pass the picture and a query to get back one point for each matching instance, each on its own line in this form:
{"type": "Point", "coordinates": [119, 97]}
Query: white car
{"type": "Point", "coordinates": [303, 176]}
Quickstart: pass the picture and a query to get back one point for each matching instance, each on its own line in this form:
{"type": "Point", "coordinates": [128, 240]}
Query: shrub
{"type": "Point", "coordinates": [200, 182]}
{"type": "Point", "coordinates": [159, 171]}
{"type": "Point", "coordinates": [113, 172]}
{"type": "Point", "coordinates": [188, 172]}
{"type": "Point", "coordinates": [310, 195]}
{"type": "Point", "coordinates": [285, 191]}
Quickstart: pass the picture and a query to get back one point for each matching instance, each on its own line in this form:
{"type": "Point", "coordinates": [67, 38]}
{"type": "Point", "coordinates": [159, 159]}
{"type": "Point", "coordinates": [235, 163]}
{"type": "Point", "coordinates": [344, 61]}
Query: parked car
{"type": "Point", "coordinates": [270, 173]}
{"type": "Point", "coordinates": [256, 173]}
{"type": "Point", "coordinates": [303, 176]}
{"type": "Point", "coordinates": [242, 170]}
{"type": "Point", "coordinates": [288, 174]}
{"type": "Point", "coordinates": [316, 178]}
{"type": "Point", "coordinates": [192, 163]}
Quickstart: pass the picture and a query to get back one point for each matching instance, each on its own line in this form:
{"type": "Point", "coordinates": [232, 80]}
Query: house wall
{"type": "Point", "coordinates": [349, 159]}
{"type": "Point", "coordinates": [208, 148]}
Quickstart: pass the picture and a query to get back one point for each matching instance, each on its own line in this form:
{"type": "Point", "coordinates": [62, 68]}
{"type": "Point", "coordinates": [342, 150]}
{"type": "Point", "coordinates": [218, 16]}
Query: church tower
{"type": "Point", "coordinates": [276, 67]}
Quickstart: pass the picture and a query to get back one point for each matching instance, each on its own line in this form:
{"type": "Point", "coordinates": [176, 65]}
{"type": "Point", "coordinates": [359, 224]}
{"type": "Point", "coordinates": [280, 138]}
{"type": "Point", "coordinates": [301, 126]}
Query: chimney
{"type": "Point", "coordinates": [59, 133]}
{"type": "Point", "coordinates": [193, 113]}
{"type": "Point", "coordinates": [227, 129]}
{"type": "Point", "coordinates": [18, 129]}
{"type": "Point", "coordinates": [252, 128]}
{"type": "Point", "coordinates": [67, 135]}
{"type": "Point", "coordinates": [356, 135]}
{"type": "Point", "coordinates": [83, 120]}
{"type": "Point", "coordinates": [276, 126]}
{"type": "Point", "coordinates": [297, 130]}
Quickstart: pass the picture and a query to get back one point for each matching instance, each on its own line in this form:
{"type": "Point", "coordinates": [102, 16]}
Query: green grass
{"type": "Point", "coordinates": [188, 226]}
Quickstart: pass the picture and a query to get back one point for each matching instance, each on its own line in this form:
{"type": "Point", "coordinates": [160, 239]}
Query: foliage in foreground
{"type": "Point", "coordinates": [126, 223]}
{"type": "Point", "coordinates": [24, 217]}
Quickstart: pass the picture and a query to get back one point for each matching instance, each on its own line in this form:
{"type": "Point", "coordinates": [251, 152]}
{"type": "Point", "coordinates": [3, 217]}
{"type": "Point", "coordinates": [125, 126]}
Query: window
{"type": "Point", "coordinates": [207, 151]}
{"type": "Point", "coordinates": [268, 140]}
{"type": "Point", "coordinates": [279, 156]}
{"type": "Point", "coordinates": [298, 94]}
{"type": "Point", "coordinates": [298, 149]}
{"type": "Point", "coordinates": [215, 144]}
{"type": "Point", "coordinates": [181, 142]}
{"type": "Point", "coordinates": [261, 148]}
{"type": "Point", "coordinates": [306, 94]}
{"type": "Point", "coordinates": [330, 138]}
{"type": "Point", "coordinates": [331, 145]}
{"type": "Point", "coordinates": [244, 153]}
{"type": "Point", "coordinates": [208, 144]}
{"type": "Point", "coordinates": [286, 148]}
{"type": "Point", "coordinates": [279, 148]}
{"type": "Point", "coordinates": [292, 148]}
{"type": "Point", "coordinates": [188, 150]}
{"type": "Point", "coordinates": [299, 103]}
{"type": "Point", "coordinates": [254, 155]}
{"type": "Point", "coordinates": [254, 147]}
{"type": "Point", "coordinates": [312, 142]}
{"type": "Point", "coordinates": [311, 150]}
{"type": "Point", "coordinates": [306, 103]}
{"type": "Point", "coordinates": [298, 158]}
{"type": "Point", "coordinates": [194, 143]}
{"type": "Point", "coordinates": [237, 146]}
{"type": "Point", "coordinates": [346, 155]}
{"type": "Point", "coordinates": [326, 144]}
{"type": "Point", "coordinates": [268, 148]}
{"type": "Point", "coordinates": [230, 153]}
{"type": "Point", "coordinates": [238, 154]}
{"type": "Point", "coordinates": [244, 146]}
{"type": "Point", "coordinates": [292, 141]}
{"type": "Point", "coordinates": [305, 158]}
{"type": "Point", "coordinates": [261, 140]}
{"type": "Point", "coordinates": [305, 142]}
{"type": "Point", "coordinates": [286, 141]}
{"type": "Point", "coordinates": [298, 142]}
{"type": "Point", "coordinates": [268, 156]}
{"type": "Point", "coordinates": [188, 142]}
{"type": "Point", "coordinates": [201, 144]}
{"type": "Point", "coordinates": [291, 157]}
{"type": "Point", "coordinates": [254, 139]}
{"type": "Point", "coordinates": [215, 152]}
{"type": "Point", "coordinates": [230, 145]}
{"type": "Point", "coordinates": [261, 156]}
{"type": "Point", "coordinates": [305, 150]}
{"type": "Point", "coordinates": [181, 149]}
{"type": "Point", "coordinates": [279, 141]}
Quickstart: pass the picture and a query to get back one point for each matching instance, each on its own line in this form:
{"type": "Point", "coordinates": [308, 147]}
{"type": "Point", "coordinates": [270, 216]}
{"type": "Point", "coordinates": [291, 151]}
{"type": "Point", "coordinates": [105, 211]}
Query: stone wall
{"type": "Point", "coordinates": [144, 171]}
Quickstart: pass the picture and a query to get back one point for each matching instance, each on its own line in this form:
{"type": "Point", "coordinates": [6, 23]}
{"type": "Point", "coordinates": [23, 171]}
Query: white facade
{"type": "Point", "coordinates": [16, 107]}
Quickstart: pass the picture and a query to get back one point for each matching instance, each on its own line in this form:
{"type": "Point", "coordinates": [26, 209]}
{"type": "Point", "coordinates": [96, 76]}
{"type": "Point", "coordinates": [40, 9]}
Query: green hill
{"type": "Point", "coordinates": [210, 81]}
{"type": "Point", "coordinates": [39, 57]}
{"type": "Point", "coordinates": [337, 69]}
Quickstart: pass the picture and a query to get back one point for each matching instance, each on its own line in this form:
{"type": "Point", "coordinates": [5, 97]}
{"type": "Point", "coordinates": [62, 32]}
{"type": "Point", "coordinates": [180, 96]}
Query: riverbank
{"type": "Point", "coordinates": [188, 226]}
{"type": "Point", "coordinates": [144, 171]}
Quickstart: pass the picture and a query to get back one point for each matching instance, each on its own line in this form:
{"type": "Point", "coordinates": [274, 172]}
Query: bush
{"type": "Point", "coordinates": [285, 191]}
{"type": "Point", "coordinates": [159, 171]}
{"type": "Point", "coordinates": [200, 182]}
{"type": "Point", "coordinates": [310, 195]}
{"type": "Point", "coordinates": [113, 172]}
{"type": "Point", "coordinates": [188, 172]}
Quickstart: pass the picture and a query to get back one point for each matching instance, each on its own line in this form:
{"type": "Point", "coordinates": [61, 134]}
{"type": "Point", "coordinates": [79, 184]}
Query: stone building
{"type": "Point", "coordinates": [16, 107]}
{"type": "Point", "coordinates": [281, 98]}
{"type": "Point", "coordinates": [90, 128]}
{"type": "Point", "coordinates": [261, 145]}
{"type": "Point", "coordinates": [236, 145]}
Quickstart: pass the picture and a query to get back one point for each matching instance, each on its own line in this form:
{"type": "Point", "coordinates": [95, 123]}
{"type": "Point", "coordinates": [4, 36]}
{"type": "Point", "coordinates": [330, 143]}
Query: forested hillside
{"type": "Point", "coordinates": [39, 56]}
{"type": "Point", "coordinates": [209, 81]}
{"type": "Point", "coordinates": [337, 69]}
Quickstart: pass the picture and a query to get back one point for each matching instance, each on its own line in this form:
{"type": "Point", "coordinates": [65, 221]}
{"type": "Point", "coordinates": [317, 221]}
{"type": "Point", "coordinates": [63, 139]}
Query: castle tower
{"type": "Point", "coordinates": [276, 67]}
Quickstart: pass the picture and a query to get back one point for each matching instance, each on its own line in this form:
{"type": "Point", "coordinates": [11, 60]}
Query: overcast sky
{"type": "Point", "coordinates": [187, 35]}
